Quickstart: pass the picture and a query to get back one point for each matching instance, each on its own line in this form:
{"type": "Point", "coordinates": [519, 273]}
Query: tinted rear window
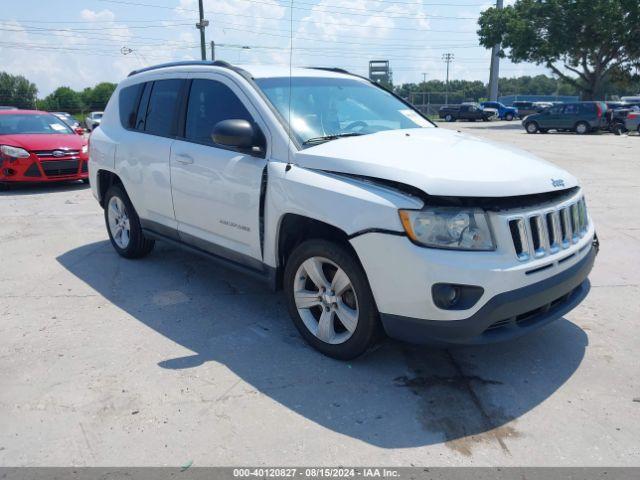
{"type": "Point", "coordinates": [128, 102]}
{"type": "Point", "coordinates": [162, 107]}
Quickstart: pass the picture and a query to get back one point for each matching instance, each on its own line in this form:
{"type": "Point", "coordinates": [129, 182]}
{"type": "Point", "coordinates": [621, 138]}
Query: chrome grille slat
{"type": "Point", "coordinates": [548, 231]}
{"type": "Point", "coordinates": [49, 153]}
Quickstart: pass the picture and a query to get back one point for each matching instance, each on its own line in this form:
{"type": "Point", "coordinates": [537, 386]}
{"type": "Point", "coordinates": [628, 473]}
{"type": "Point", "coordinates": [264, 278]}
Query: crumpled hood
{"type": "Point", "coordinates": [44, 141]}
{"type": "Point", "coordinates": [439, 162]}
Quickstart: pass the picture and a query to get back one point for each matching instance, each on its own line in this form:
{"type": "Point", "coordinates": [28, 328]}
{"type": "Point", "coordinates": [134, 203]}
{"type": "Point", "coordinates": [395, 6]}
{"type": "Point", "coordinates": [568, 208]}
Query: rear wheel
{"type": "Point", "coordinates": [531, 127]}
{"type": "Point", "coordinates": [329, 299]}
{"type": "Point", "coordinates": [448, 117]}
{"type": "Point", "coordinates": [123, 225]}
{"type": "Point", "coordinates": [508, 117]}
{"type": "Point", "coordinates": [582, 128]}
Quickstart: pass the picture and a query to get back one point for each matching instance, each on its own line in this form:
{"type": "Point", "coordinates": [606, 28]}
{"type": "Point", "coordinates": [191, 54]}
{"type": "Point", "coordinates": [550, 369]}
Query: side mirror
{"type": "Point", "coordinates": [238, 134]}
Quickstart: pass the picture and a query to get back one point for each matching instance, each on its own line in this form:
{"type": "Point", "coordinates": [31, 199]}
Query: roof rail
{"type": "Point", "coordinates": [332, 69]}
{"type": "Point", "coordinates": [210, 63]}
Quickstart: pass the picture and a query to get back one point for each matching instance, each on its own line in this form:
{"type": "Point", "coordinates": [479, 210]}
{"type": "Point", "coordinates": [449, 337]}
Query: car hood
{"type": "Point", "coordinates": [438, 162]}
{"type": "Point", "coordinates": [44, 141]}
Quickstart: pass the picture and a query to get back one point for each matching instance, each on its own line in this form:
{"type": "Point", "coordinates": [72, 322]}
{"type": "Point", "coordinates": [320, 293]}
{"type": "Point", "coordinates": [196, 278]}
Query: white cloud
{"type": "Point", "coordinates": [92, 16]}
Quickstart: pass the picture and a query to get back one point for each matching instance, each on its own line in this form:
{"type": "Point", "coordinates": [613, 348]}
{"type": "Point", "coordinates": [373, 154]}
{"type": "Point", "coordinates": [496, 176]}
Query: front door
{"type": "Point", "coordinates": [216, 191]}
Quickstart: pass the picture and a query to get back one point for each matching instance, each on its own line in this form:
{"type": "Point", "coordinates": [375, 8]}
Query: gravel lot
{"type": "Point", "coordinates": [172, 359]}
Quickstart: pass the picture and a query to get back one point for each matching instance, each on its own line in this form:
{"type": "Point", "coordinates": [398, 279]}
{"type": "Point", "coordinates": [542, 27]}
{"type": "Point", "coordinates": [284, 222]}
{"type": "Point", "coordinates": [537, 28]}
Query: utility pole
{"type": "Point", "coordinates": [213, 51]}
{"type": "Point", "coordinates": [201, 25]}
{"type": "Point", "coordinates": [494, 73]}
{"type": "Point", "coordinates": [424, 77]}
{"type": "Point", "coordinates": [448, 58]}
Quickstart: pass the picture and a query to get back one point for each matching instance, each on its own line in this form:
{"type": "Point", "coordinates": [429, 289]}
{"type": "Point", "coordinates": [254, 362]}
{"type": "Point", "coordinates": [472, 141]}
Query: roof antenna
{"type": "Point", "coordinates": [288, 167]}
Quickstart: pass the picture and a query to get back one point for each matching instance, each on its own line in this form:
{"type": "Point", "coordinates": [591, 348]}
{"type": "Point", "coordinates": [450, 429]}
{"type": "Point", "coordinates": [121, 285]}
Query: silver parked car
{"type": "Point", "coordinates": [93, 120]}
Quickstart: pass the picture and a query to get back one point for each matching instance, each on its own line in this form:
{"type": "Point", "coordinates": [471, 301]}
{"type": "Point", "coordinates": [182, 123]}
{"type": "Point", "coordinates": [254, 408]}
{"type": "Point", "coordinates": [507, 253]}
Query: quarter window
{"type": "Point", "coordinates": [211, 102]}
{"type": "Point", "coordinates": [162, 107]}
{"type": "Point", "coordinates": [128, 105]}
{"type": "Point", "coordinates": [571, 109]}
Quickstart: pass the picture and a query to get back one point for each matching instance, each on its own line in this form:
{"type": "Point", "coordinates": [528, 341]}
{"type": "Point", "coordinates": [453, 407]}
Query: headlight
{"type": "Point", "coordinates": [85, 148]}
{"type": "Point", "coordinates": [14, 152]}
{"type": "Point", "coordinates": [448, 227]}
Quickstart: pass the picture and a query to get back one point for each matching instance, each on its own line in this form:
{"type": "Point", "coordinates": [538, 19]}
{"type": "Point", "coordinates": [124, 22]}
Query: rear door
{"type": "Point", "coordinates": [216, 190]}
{"type": "Point", "coordinates": [570, 115]}
{"type": "Point", "coordinates": [551, 118]}
{"type": "Point", "coordinates": [143, 154]}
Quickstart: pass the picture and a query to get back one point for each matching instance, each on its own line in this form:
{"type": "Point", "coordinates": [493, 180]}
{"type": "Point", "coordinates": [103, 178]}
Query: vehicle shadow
{"type": "Point", "coordinates": [396, 396]}
{"type": "Point", "coordinates": [17, 189]}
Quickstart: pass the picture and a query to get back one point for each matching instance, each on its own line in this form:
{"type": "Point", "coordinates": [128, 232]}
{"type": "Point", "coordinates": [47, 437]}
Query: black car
{"type": "Point", "coordinates": [617, 115]}
{"type": "Point", "coordinates": [471, 112]}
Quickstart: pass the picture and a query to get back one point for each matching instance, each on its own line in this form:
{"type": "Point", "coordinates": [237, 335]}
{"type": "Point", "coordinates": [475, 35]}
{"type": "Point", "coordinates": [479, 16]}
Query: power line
{"type": "Point", "coordinates": [409, 17]}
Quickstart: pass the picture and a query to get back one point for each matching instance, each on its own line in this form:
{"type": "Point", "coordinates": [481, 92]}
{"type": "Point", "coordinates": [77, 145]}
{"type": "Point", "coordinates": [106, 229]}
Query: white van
{"type": "Point", "coordinates": [369, 217]}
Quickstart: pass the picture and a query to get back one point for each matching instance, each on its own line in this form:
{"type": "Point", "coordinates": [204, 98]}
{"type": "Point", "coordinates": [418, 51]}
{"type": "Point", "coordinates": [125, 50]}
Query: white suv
{"type": "Point", "coordinates": [370, 217]}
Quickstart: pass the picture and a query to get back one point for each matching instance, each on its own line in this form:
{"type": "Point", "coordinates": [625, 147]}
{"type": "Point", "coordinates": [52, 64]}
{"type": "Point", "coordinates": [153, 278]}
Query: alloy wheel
{"type": "Point", "coordinates": [326, 300]}
{"type": "Point", "coordinates": [119, 222]}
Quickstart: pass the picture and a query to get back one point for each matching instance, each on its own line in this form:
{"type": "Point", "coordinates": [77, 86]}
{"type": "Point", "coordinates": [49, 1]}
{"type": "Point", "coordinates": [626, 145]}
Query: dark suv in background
{"type": "Point", "coordinates": [579, 117]}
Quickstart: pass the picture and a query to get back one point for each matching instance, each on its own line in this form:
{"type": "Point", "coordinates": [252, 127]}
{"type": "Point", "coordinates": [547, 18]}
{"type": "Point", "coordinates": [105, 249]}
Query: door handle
{"type": "Point", "coordinates": [184, 159]}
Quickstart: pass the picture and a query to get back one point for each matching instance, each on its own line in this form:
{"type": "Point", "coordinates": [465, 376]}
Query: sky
{"type": "Point", "coordinates": [81, 43]}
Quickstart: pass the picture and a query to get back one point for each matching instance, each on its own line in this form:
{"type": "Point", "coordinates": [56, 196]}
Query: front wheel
{"type": "Point", "coordinates": [329, 299]}
{"type": "Point", "coordinates": [123, 225]}
{"type": "Point", "coordinates": [448, 117]}
{"type": "Point", "coordinates": [508, 117]}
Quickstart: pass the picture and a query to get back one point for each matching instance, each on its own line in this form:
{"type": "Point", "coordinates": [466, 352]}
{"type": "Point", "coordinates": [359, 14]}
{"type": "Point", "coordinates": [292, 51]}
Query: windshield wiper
{"type": "Point", "coordinates": [334, 136]}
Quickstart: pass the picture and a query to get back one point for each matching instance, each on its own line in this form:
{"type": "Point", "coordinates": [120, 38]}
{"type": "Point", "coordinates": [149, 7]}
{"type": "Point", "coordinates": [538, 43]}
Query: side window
{"type": "Point", "coordinates": [128, 105]}
{"type": "Point", "coordinates": [588, 107]}
{"type": "Point", "coordinates": [161, 111]}
{"type": "Point", "coordinates": [571, 109]}
{"type": "Point", "coordinates": [211, 102]}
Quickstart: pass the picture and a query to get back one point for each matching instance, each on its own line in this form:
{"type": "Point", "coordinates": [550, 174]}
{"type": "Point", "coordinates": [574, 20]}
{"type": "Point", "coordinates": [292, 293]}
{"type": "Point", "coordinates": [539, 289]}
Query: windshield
{"type": "Point", "coordinates": [13, 124]}
{"type": "Point", "coordinates": [327, 108]}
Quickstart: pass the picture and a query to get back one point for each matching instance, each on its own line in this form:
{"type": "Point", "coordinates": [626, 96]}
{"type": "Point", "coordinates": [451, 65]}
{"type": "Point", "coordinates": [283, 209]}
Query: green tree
{"type": "Point", "coordinates": [96, 98]}
{"type": "Point", "coordinates": [592, 39]}
{"type": "Point", "coordinates": [63, 99]}
{"type": "Point", "coordinates": [17, 91]}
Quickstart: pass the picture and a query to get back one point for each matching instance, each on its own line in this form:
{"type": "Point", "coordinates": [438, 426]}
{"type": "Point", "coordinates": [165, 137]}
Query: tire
{"type": "Point", "coordinates": [508, 117]}
{"type": "Point", "coordinates": [582, 128]}
{"type": "Point", "coordinates": [350, 317]}
{"type": "Point", "coordinates": [119, 212]}
{"type": "Point", "coordinates": [448, 117]}
{"type": "Point", "coordinates": [531, 127]}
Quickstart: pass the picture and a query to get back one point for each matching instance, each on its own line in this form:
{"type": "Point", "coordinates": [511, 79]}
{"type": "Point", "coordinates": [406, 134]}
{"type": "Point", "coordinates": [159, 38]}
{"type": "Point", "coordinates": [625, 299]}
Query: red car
{"type": "Point", "coordinates": [39, 147]}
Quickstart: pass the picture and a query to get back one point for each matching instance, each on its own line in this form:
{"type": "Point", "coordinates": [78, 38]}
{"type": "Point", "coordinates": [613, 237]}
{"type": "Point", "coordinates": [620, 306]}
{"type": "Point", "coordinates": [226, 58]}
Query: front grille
{"type": "Point", "coordinates": [57, 168]}
{"type": "Point", "coordinates": [49, 153]}
{"type": "Point", "coordinates": [549, 231]}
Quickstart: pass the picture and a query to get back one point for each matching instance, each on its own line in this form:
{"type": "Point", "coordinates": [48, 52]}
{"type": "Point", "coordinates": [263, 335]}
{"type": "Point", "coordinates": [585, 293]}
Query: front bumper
{"type": "Point", "coordinates": [36, 169]}
{"type": "Point", "coordinates": [505, 316]}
